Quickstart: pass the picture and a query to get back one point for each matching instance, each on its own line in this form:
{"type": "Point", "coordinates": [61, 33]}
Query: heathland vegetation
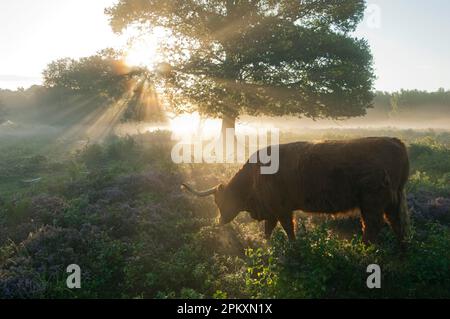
{"type": "Point", "coordinates": [116, 209]}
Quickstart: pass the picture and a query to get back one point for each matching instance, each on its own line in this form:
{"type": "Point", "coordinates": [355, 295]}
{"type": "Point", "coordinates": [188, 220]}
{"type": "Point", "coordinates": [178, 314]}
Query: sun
{"type": "Point", "coordinates": [145, 50]}
{"type": "Point", "coordinates": [142, 54]}
{"type": "Point", "coordinates": [194, 125]}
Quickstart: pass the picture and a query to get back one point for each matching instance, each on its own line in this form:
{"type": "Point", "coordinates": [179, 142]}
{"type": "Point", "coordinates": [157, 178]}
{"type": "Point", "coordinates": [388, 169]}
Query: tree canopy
{"type": "Point", "coordinates": [103, 75]}
{"type": "Point", "coordinates": [102, 79]}
{"type": "Point", "coordinates": [274, 57]}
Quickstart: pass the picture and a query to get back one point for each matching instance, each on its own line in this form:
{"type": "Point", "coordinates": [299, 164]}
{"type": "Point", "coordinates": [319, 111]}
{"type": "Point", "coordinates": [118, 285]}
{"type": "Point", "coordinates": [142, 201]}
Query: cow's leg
{"type": "Point", "coordinates": [287, 221]}
{"type": "Point", "coordinates": [269, 226]}
{"type": "Point", "coordinates": [372, 222]}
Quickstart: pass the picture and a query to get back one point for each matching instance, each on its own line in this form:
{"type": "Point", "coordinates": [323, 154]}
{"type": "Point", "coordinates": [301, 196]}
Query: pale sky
{"type": "Point", "coordinates": [409, 39]}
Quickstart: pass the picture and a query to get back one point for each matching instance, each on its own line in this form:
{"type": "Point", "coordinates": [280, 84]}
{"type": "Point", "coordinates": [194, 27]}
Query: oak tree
{"type": "Point", "coordinates": [260, 57]}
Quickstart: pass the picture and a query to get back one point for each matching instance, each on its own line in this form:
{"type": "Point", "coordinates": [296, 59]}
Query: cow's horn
{"type": "Point", "coordinates": [200, 193]}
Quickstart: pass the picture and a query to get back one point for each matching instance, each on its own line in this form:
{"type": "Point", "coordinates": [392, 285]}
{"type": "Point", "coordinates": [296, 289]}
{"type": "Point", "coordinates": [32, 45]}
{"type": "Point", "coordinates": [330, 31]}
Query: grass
{"type": "Point", "coordinates": [116, 210]}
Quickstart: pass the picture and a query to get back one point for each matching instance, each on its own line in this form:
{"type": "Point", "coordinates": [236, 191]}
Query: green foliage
{"type": "Point", "coordinates": [261, 277]}
{"type": "Point", "coordinates": [116, 209]}
{"type": "Point", "coordinates": [411, 99]}
{"type": "Point", "coordinates": [260, 57]}
{"type": "Point", "coordinates": [422, 181]}
{"type": "Point", "coordinates": [121, 148]}
{"type": "Point", "coordinates": [114, 151]}
{"type": "Point", "coordinates": [100, 80]}
{"type": "Point", "coordinates": [102, 75]}
{"type": "Point", "coordinates": [93, 155]}
{"type": "Point", "coordinates": [430, 166]}
{"type": "Point", "coordinates": [16, 212]}
{"type": "Point", "coordinates": [18, 162]}
{"type": "Point", "coordinates": [219, 294]}
{"type": "Point", "coordinates": [410, 104]}
{"type": "Point", "coordinates": [428, 154]}
{"type": "Point", "coordinates": [319, 265]}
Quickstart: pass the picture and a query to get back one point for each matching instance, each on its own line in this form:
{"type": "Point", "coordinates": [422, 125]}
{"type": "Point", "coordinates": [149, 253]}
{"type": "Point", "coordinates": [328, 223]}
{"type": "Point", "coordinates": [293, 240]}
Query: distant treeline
{"type": "Point", "coordinates": [412, 104]}
{"type": "Point", "coordinates": [57, 105]}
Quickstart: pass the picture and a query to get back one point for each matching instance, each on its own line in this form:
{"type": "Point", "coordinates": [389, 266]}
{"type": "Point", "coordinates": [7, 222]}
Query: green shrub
{"type": "Point", "coordinates": [120, 148]}
{"type": "Point", "coordinates": [117, 210]}
{"type": "Point", "coordinates": [15, 212]}
{"type": "Point", "coordinates": [429, 155]}
{"type": "Point", "coordinates": [319, 265]}
{"type": "Point", "coordinates": [422, 181]}
{"type": "Point", "coordinates": [93, 155]}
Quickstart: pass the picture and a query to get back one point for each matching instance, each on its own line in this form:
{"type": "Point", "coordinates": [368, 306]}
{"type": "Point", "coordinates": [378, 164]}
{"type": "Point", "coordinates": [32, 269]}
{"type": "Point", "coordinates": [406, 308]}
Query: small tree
{"type": "Point", "coordinates": [103, 75]}
{"type": "Point", "coordinates": [274, 57]}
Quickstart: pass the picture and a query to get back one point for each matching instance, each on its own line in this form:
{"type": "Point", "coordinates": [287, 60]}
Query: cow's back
{"type": "Point", "coordinates": [332, 176]}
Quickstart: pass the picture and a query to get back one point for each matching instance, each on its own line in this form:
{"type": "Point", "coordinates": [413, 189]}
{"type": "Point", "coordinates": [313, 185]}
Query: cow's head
{"type": "Point", "coordinates": [226, 201]}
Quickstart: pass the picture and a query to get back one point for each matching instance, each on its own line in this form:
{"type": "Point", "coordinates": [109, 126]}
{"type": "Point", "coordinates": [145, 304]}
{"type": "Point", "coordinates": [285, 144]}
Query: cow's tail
{"type": "Point", "coordinates": [397, 214]}
{"type": "Point", "coordinates": [397, 211]}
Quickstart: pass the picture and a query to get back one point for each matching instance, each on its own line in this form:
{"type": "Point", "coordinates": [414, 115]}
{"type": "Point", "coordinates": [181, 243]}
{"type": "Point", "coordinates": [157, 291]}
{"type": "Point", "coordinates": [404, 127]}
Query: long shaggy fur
{"type": "Point", "coordinates": [330, 177]}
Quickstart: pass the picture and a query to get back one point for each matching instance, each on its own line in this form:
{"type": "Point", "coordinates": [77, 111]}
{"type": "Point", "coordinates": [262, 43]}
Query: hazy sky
{"type": "Point", "coordinates": [409, 39]}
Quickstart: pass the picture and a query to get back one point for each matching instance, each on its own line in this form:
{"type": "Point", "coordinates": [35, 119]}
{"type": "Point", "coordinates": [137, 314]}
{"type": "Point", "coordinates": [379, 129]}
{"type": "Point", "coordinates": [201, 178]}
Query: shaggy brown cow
{"type": "Point", "coordinates": [329, 177]}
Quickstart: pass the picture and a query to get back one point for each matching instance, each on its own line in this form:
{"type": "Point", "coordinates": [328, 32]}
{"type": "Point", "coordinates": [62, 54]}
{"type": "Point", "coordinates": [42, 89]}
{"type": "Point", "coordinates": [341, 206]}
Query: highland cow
{"type": "Point", "coordinates": [330, 177]}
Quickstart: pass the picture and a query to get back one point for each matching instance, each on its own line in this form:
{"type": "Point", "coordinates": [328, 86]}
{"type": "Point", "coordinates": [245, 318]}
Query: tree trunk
{"type": "Point", "coordinates": [228, 123]}
{"type": "Point", "coordinates": [229, 146]}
